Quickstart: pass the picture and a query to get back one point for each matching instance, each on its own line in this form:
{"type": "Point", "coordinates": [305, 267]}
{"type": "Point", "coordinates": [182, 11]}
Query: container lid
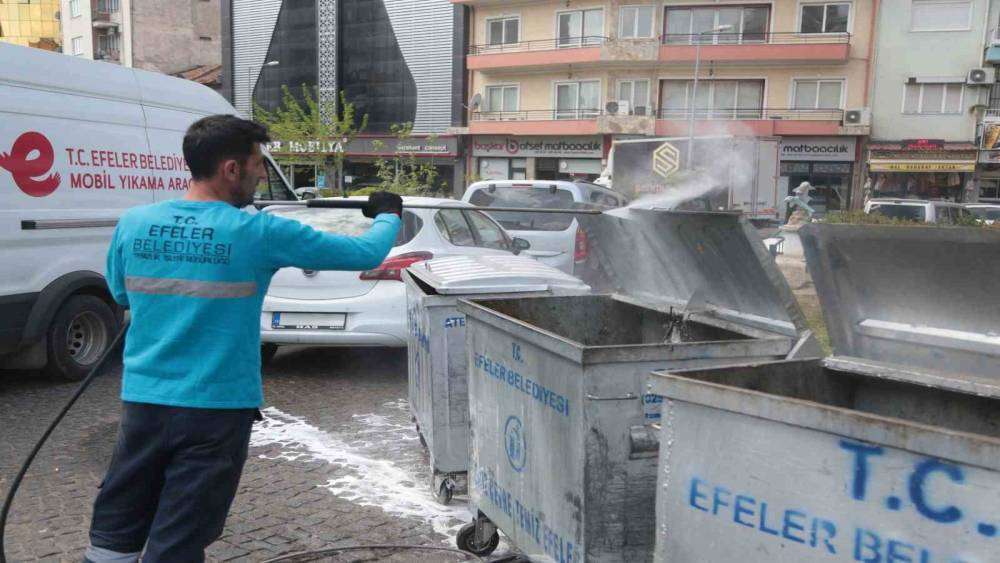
{"type": "Point", "coordinates": [494, 273]}
{"type": "Point", "coordinates": [921, 297]}
{"type": "Point", "coordinates": [714, 263]}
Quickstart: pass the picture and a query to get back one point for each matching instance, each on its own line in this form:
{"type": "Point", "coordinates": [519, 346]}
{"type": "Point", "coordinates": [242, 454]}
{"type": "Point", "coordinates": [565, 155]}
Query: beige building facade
{"type": "Point", "coordinates": [31, 23]}
{"type": "Point", "coordinates": [575, 74]}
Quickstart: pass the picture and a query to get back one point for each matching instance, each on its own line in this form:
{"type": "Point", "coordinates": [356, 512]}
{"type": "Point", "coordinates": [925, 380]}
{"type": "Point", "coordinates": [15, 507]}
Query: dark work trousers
{"type": "Point", "coordinates": [172, 478]}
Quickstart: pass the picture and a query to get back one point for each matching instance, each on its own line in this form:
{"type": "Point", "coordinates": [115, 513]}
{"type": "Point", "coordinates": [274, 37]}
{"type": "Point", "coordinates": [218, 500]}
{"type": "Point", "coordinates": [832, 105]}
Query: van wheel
{"type": "Point", "coordinates": [267, 352]}
{"type": "Point", "coordinates": [80, 333]}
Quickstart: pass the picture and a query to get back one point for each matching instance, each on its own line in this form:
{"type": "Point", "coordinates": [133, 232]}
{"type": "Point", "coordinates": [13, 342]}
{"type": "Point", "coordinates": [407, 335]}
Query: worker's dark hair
{"type": "Point", "coordinates": [216, 138]}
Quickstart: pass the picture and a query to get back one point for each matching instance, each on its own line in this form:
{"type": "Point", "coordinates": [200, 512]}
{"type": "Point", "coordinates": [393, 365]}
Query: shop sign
{"type": "Point", "coordinates": [818, 148]}
{"type": "Point", "coordinates": [517, 146]}
{"type": "Point", "coordinates": [923, 144]}
{"type": "Point", "coordinates": [922, 166]}
{"type": "Point", "coordinates": [991, 137]}
{"type": "Point", "coordinates": [445, 146]}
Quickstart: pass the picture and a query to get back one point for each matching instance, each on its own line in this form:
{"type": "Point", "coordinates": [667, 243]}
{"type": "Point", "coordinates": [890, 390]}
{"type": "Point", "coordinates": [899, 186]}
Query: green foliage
{"type": "Point", "coordinates": [404, 174]}
{"type": "Point", "coordinates": [315, 124]}
{"type": "Point", "coordinates": [858, 217]}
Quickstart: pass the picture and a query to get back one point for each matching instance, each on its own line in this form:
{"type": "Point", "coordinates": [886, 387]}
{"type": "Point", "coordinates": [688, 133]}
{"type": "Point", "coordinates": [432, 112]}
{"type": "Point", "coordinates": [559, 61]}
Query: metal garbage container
{"type": "Point", "coordinates": [563, 454]}
{"type": "Point", "coordinates": [888, 451]}
{"type": "Point", "coordinates": [438, 388]}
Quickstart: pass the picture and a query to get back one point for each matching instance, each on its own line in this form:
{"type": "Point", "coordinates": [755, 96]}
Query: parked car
{"type": "Point", "coordinates": [556, 239]}
{"type": "Point", "coordinates": [368, 308]}
{"type": "Point", "coordinates": [80, 142]}
{"type": "Point", "coordinates": [920, 210]}
{"type": "Point", "coordinates": [988, 213]}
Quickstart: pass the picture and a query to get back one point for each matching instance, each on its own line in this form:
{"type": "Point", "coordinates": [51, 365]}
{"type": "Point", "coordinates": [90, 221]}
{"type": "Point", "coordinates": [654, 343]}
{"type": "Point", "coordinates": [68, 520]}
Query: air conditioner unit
{"type": "Point", "coordinates": [978, 76]}
{"type": "Point", "coordinates": [624, 107]}
{"type": "Point", "coordinates": [858, 117]}
{"type": "Point", "coordinates": [639, 110]}
{"type": "Point", "coordinates": [616, 107]}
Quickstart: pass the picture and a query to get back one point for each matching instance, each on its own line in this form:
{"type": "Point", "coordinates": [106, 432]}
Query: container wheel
{"type": "Point", "coordinates": [466, 541]}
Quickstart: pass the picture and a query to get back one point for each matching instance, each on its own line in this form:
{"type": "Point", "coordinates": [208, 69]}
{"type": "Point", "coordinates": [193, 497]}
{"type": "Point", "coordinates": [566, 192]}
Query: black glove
{"type": "Point", "coordinates": [383, 202]}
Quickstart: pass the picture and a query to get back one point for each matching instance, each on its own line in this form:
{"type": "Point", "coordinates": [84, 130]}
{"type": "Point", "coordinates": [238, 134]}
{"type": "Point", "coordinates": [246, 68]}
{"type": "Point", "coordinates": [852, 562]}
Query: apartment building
{"type": "Point", "coordinates": [553, 83]}
{"type": "Point", "coordinates": [169, 37]}
{"type": "Point", "coordinates": [31, 23]}
{"type": "Point", "coordinates": [930, 88]}
{"type": "Point", "coordinates": [397, 61]}
{"type": "Point", "coordinates": [989, 126]}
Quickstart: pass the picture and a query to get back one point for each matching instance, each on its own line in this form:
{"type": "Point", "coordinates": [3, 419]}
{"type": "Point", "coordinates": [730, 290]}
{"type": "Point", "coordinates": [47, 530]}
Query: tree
{"type": "Point", "coordinates": [313, 131]}
{"type": "Point", "coordinates": [404, 173]}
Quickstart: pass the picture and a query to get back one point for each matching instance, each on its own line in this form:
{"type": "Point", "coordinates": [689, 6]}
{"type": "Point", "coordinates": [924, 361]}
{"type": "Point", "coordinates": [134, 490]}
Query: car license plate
{"type": "Point", "coordinates": [309, 321]}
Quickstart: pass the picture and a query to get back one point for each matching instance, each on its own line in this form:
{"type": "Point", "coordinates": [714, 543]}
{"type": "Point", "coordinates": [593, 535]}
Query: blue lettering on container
{"type": "Point", "coordinates": [499, 371]}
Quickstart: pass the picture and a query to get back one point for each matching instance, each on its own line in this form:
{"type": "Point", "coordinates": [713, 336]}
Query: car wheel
{"type": "Point", "coordinates": [80, 333]}
{"type": "Point", "coordinates": [267, 352]}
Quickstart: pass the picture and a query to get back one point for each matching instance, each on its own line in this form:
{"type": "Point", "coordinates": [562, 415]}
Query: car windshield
{"type": "Point", "coordinates": [348, 222]}
{"type": "Point", "coordinates": [987, 213]}
{"type": "Point", "coordinates": [531, 198]}
{"type": "Point", "coordinates": [900, 211]}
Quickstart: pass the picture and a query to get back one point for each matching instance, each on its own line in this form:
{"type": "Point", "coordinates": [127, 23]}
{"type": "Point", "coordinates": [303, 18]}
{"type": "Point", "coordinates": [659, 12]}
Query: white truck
{"type": "Point", "coordinates": [80, 142]}
{"type": "Point", "coordinates": [734, 173]}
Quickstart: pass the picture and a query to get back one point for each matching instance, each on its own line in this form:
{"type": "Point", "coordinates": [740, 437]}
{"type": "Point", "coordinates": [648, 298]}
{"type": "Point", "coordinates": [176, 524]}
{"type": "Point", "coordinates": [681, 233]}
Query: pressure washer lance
{"type": "Point", "coordinates": [344, 203]}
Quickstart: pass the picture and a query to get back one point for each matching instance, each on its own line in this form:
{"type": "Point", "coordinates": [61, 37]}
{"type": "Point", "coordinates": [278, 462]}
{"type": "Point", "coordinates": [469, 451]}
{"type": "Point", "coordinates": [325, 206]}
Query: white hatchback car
{"type": "Point", "coordinates": [323, 308]}
{"type": "Point", "coordinates": [919, 210]}
{"type": "Point", "coordinates": [556, 239]}
{"type": "Point", "coordinates": [988, 213]}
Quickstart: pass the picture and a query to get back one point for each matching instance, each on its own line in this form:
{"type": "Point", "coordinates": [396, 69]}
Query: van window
{"type": "Point", "coordinates": [900, 211]}
{"type": "Point", "coordinates": [541, 197]}
{"type": "Point", "coordinates": [273, 189]}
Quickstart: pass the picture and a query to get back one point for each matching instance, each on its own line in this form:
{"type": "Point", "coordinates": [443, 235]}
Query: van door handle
{"type": "Point", "coordinates": [626, 397]}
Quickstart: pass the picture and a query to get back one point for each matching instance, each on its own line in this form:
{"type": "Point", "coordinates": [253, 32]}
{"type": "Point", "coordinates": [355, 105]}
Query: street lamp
{"type": "Point", "coordinates": [694, 88]}
{"type": "Point", "coordinates": [250, 82]}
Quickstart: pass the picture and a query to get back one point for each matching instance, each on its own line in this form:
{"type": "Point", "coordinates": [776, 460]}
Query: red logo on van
{"type": "Point", "coordinates": [31, 158]}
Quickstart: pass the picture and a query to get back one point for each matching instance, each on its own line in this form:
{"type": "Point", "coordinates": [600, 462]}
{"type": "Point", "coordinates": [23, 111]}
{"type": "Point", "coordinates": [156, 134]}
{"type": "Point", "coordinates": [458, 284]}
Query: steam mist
{"type": "Point", "coordinates": [719, 164]}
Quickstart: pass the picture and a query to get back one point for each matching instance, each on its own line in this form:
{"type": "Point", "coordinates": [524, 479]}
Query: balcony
{"type": "Point", "coordinates": [756, 122]}
{"type": "Point", "coordinates": [756, 47]}
{"type": "Point", "coordinates": [105, 14]}
{"type": "Point", "coordinates": [536, 122]}
{"type": "Point", "coordinates": [540, 53]}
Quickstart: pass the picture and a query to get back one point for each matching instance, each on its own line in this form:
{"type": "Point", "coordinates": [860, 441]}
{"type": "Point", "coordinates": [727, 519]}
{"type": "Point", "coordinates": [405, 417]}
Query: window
{"type": "Point", "coordinates": [716, 99]}
{"type": "Point", "coordinates": [501, 98]}
{"type": "Point", "coordinates": [818, 94]}
{"type": "Point", "coordinates": [635, 22]}
{"type": "Point", "coordinates": [274, 188]}
{"type": "Point", "coordinates": [747, 24]}
{"type": "Point", "coordinates": [74, 8]}
{"type": "Point", "coordinates": [454, 228]}
{"type": "Point", "coordinates": [933, 99]}
{"type": "Point", "coordinates": [526, 197]}
{"type": "Point", "coordinates": [636, 94]}
{"type": "Point", "coordinates": [488, 234]}
{"type": "Point", "coordinates": [503, 31]}
{"type": "Point", "coordinates": [578, 100]}
{"type": "Point", "coordinates": [941, 15]}
{"type": "Point", "coordinates": [825, 18]}
{"type": "Point", "coordinates": [77, 44]}
{"type": "Point", "coordinates": [580, 27]}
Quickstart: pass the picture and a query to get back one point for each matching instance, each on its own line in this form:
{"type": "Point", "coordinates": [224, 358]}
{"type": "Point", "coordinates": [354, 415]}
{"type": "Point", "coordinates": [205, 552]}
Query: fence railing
{"type": "Point", "coordinates": [729, 114]}
{"type": "Point", "coordinates": [751, 38]}
{"type": "Point", "coordinates": [539, 45]}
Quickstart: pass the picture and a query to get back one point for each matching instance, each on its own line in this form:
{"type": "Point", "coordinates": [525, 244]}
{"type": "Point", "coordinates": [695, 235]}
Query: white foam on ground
{"type": "Point", "coordinates": [371, 479]}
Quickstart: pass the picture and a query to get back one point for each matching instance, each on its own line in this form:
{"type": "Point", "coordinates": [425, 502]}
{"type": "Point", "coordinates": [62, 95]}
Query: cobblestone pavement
{"type": "Point", "coordinates": [335, 463]}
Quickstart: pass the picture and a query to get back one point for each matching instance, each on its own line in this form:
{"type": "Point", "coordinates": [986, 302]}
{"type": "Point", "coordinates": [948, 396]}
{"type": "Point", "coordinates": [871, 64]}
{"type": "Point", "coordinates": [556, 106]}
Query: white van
{"type": "Point", "coordinates": [555, 238]}
{"type": "Point", "coordinates": [80, 142]}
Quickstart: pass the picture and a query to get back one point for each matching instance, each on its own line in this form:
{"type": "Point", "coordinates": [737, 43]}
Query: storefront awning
{"type": "Point", "coordinates": [884, 165]}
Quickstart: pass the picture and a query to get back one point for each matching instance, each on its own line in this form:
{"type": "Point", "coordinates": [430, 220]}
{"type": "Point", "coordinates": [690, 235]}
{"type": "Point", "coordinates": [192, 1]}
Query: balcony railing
{"type": "Point", "coordinates": [539, 45]}
{"type": "Point", "coordinates": [107, 55]}
{"type": "Point", "coordinates": [750, 38]}
{"type": "Point", "coordinates": [796, 114]}
{"type": "Point", "coordinates": [730, 114]}
{"type": "Point", "coordinates": [537, 115]}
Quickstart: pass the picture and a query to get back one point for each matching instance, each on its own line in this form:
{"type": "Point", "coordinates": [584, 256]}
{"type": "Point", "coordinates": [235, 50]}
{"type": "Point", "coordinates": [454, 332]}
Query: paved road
{"type": "Point", "coordinates": [336, 462]}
